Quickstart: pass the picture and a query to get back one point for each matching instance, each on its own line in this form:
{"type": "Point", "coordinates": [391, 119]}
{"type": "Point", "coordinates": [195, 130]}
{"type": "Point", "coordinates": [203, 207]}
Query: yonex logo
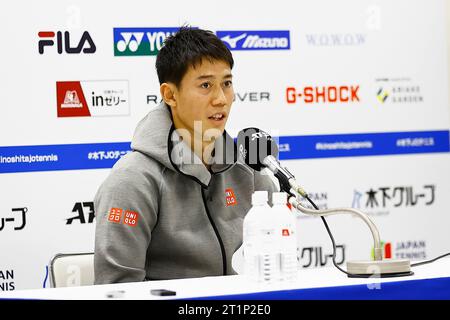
{"type": "Point", "coordinates": [140, 41]}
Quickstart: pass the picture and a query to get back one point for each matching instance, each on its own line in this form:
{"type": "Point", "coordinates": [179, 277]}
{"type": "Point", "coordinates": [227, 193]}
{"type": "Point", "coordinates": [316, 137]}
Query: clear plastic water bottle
{"type": "Point", "coordinates": [260, 241]}
{"type": "Point", "coordinates": [287, 237]}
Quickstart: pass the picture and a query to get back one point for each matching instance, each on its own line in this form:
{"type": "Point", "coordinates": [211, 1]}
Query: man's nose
{"type": "Point", "coordinates": [219, 98]}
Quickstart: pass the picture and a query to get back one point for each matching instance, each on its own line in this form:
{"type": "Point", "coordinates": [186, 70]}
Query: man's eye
{"type": "Point", "coordinates": [228, 83]}
{"type": "Point", "coordinates": [205, 85]}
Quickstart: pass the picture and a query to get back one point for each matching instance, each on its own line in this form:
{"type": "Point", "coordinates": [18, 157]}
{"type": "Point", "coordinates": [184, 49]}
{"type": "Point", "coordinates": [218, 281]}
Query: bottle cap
{"type": "Point", "coordinates": [260, 197]}
{"type": "Point", "coordinates": [279, 198]}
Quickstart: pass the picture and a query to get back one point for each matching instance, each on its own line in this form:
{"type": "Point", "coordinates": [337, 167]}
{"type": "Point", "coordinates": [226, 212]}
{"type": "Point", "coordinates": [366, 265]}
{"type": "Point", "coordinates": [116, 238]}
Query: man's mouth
{"type": "Point", "coordinates": [217, 116]}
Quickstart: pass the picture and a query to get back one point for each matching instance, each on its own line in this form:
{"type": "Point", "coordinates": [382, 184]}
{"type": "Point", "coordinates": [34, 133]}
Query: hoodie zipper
{"type": "Point", "coordinates": [222, 248]}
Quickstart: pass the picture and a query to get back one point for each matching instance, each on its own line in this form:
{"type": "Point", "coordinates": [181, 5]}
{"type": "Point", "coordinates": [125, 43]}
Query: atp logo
{"type": "Point", "coordinates": [140, 41]}
{"type": "Point", "coordinates": [83, 210]}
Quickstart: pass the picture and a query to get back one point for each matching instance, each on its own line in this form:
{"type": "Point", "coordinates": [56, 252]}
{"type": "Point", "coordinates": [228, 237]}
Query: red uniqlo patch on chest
{"type": "Point", "coordinates": [115, 214]}
{"type": "Point", "coordinates": [286, 233]}
{"type": "Point", "coordinates": [131, 218]}
{"type": "Point", "coordinates": [230, 198]}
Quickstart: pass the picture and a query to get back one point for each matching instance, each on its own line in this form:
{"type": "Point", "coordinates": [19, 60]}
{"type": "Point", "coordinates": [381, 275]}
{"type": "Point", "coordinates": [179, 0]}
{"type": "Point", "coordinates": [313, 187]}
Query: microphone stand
{"type": "Point", "coordinates": [378, 267]}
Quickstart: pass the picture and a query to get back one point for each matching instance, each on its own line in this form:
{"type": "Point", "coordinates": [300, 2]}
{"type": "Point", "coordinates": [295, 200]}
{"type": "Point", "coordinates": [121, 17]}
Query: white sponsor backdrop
{"type": "Point", "coordinates": [384, 48]}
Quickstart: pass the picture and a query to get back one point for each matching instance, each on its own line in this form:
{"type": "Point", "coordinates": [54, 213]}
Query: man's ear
{"type": "Point", "coordinates": [168, 94]}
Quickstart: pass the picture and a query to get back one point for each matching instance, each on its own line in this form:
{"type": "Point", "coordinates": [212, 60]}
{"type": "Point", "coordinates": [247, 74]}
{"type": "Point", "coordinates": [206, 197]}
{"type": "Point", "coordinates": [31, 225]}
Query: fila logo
{"type": "Point", "coordinates": [130, 218]}
{"type": "Point", "coordinates": [230, 198]}
{"type": "Point", "coordinates": [85, 44]}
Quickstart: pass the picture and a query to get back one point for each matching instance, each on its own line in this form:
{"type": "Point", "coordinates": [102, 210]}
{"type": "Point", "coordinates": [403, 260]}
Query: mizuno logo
{"type": "Point", "coordinates": [233, 41]}
{"type": "Point", "coordinates": [255, 40]}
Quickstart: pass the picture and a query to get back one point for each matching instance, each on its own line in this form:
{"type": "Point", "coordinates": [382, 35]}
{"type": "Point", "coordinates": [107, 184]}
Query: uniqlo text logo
{"type": "Point", "coordinates": [323, 94]}
{"type": "Point", "coordinates": [131, 218]}
{"type": "Point", "coordinates": [115, 214]}
{"type": "Point", "coordinates": [230, 198]}
{"type": "Point", "coordinates": [286, 233]}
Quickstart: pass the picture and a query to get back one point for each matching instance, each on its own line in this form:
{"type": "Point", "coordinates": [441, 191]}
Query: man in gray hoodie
{"type": "Point", "coordinates": [174, 207]}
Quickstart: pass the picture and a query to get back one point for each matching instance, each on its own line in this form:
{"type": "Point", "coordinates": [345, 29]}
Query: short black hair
{"type": "Point", "coordinates": [188, 47]}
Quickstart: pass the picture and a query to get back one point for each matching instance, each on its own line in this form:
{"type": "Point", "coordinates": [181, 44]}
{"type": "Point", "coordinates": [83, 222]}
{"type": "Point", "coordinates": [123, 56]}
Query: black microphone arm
{"type": "Point", "coordinates": [284, 176]}
{"type": "Point", "coordinates": [258, 150]}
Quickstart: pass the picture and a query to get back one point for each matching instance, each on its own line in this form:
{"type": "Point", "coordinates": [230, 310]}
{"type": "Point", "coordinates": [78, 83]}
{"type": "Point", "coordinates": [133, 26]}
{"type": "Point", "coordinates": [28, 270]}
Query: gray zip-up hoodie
{"type": "Point", "coordinates": [158, 216]}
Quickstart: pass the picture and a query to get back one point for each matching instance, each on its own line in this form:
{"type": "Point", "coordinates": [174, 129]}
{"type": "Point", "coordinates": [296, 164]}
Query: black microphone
{"type": "Point", "coordinates": [258, 150]}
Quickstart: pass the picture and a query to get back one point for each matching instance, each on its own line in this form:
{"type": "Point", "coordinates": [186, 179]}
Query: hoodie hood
{"type": "Point", "coordinates": [156, 137]}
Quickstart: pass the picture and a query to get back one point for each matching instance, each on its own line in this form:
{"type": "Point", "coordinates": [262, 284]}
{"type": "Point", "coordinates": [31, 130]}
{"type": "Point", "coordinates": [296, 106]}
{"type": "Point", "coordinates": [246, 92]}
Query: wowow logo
{"type": "Point", "coordinates": [92, 98]}
{"type": "Point", "coordinates": [256, 40]}
{"type": "Point", "coordinates": [140, 41]}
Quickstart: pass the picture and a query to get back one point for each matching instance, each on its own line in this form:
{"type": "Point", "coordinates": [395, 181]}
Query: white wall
{"type": "Point", "coordinates": [404, 46]}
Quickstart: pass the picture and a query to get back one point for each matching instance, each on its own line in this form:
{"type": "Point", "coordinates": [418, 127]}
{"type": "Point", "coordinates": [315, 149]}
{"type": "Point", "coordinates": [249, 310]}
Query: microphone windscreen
{"type": "Point", "coordinates": [254, 145]}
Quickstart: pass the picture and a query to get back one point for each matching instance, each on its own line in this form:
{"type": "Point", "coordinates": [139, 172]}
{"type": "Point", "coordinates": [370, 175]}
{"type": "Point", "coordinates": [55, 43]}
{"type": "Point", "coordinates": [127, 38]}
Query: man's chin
{"type": "Point", "coordinates": [213, 133]}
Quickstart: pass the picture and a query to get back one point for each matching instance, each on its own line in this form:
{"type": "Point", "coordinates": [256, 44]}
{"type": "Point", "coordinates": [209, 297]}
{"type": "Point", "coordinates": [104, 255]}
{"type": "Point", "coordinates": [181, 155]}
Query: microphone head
{"type": "Point", "coordinates": [254, 145]}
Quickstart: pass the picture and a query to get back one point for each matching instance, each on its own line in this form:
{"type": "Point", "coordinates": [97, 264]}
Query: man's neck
{"type": "Point", "coordinates": [203, 149]}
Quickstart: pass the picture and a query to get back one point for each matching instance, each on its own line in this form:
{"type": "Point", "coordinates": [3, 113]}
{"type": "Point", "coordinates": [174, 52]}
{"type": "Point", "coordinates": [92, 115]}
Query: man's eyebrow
{"type": "Point", "coordinates": [210, 76]}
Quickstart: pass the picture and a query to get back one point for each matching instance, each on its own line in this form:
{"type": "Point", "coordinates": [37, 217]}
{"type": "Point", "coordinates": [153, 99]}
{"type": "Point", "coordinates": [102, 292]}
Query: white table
{"type": "Point", "coordinates": [228, 285]}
